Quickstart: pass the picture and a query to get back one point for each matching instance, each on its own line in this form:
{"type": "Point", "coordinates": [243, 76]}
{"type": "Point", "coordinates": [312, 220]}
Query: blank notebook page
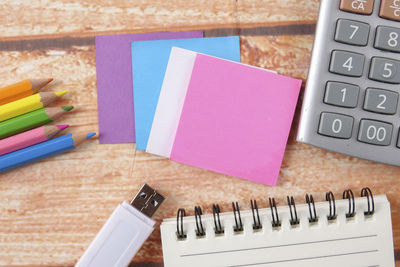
{"type": "Point", "coordinates": [358, 241]}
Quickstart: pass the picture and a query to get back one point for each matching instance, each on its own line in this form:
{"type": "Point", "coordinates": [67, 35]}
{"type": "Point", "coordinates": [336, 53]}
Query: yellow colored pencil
{"type": "Point", "coordinates": [28, 104]}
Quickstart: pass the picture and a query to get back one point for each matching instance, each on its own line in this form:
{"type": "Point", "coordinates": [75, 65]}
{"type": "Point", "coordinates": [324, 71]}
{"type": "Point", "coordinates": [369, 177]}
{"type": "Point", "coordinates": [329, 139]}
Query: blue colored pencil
{"type": "Point", "coordinates": [42, 150]}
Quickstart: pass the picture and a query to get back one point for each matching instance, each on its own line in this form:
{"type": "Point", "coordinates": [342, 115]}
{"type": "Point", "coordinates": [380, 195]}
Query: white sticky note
{"type": "Point", "coordinates": [170, 102]}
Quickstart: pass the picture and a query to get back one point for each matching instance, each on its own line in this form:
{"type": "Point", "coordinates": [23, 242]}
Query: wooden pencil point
{"type": "Point", "coordinates": [80, 138]}
{"type": "Point", "coordinates": [38, 84]}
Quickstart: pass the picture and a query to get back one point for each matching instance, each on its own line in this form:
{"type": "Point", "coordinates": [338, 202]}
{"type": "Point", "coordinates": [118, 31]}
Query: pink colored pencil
{"type": "Point", "coordinates": [29, 138]}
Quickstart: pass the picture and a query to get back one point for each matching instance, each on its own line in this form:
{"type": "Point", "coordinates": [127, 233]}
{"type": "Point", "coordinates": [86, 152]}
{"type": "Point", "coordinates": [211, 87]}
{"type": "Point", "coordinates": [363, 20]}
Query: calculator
{"type": "Point", "coordinates": [351, 98]}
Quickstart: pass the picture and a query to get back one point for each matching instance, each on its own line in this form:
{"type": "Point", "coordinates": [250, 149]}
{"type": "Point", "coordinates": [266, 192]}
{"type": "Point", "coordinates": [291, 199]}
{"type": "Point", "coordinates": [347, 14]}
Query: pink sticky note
{"type": "Point", "coordinates": [236, 119]}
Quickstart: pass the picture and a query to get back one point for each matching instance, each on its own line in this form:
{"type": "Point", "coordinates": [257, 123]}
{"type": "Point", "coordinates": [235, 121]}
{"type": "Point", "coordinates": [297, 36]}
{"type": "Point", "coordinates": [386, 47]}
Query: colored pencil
{"type": "Point", "coordinates": [22, 89]}
{"type": "Point", "coordinates": [42, 150]}
{"type": "Point", "coordinates": [29, 138]}
{"type": "Point", "coordinates": [31, 120]}
{"type": "Point", "coordinates": [28, 104]}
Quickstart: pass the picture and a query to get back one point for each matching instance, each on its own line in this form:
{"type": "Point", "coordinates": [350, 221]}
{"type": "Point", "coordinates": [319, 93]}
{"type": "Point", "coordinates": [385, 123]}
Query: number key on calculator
{"type": "Point", "coordinates": [351, 99]}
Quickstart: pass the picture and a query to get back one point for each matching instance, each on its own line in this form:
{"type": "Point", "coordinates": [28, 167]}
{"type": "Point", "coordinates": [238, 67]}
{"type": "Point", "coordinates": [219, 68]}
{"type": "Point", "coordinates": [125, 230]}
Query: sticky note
{"type": "Point", "coordinates": [170, 102]}
{"type": "Point", "coordinates": [149, 63]}
{"type": "Point", "coordinates": [235, 119]}
{"type": "Point", "coordinates": [114, 83]}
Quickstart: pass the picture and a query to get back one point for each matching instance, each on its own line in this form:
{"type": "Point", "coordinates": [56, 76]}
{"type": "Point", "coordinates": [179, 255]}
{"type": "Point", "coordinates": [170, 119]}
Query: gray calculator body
{"type": "Point", "coordinates": [351, 106]}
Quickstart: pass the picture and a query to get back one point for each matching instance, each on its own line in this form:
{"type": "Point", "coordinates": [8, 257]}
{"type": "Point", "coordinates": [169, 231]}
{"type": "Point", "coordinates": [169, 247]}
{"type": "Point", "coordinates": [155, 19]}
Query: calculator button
{"type": "Point", "coordinates": [347, 63]}
{"type": "Point", "coordinates": [385, 70]}
{"type": "Point", "coordinates": [335, 125]}
{"type": "Point", "coordinates": [352, 32]}
{"type": "Point", "coordinates": [381, 101]}
{"type": "Point", "coordinates": [398, 140]}
{"type": "Point", "coordinates": [390, 9]}
{"type": "Point", "coordinates": [357, 6]}
{"type": "Point", "coordinates": [375, 132]}
{"type": "Point", "coordinates": [341, 94]}
{"type": "Point", "coordinates": [387, 38]}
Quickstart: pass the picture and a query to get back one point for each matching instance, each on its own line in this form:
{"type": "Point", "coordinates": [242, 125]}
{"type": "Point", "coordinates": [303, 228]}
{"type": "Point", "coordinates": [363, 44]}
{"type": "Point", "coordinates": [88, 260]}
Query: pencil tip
{"type": "Point", "coordinates": [60, 93]}
{"type": "Point", "coordinates": [67, 108]}
{"type": "Point", "coordinates": [90, 135]}
{"type": "Point", "coordinates": [62, 126]}
{"type": "Point", "coordinates": [37, 84]}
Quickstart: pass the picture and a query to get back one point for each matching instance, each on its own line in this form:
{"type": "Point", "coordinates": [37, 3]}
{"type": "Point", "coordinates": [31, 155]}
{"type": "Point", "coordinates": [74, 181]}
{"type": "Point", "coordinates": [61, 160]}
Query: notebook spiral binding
{"type": "Point", "coordinates": [256, 216]}
{"type": "Point", "coordinates": [313, 214]}
{"type": "Point", "coordinates": [294, 220]}
{"type": "Point", "coordinates": [332, 207]}
{"type": "Point", "coordinates": [217, 220]}
{"type": "Point", "coordinates": [348, 194]}
{"type": "Point", "coordinates": [292, 208]}
{"type": "Point", "coordinates": [199, 224]}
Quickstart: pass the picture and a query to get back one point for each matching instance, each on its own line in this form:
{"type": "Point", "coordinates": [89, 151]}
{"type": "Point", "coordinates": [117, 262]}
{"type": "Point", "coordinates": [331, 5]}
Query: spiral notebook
{"type": "Point", "coordinates": [346, 232]}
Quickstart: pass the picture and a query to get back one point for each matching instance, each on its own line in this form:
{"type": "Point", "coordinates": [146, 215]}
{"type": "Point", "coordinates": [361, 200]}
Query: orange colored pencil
{"type": "Point", "coordinates": [21, 89]}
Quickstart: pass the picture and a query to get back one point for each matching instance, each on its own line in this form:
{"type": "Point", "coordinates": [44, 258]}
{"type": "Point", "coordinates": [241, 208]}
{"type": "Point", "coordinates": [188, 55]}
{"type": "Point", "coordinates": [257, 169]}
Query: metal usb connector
{"type": "Point", "coordinates": [124, 232]}
{"type": "Point", "coordinates": [147, 200]}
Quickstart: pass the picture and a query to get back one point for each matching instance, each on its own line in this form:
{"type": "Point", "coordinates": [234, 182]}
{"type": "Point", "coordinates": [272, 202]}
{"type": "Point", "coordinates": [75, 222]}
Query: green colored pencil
{"type": "Point", "coordinates": [31, 120]}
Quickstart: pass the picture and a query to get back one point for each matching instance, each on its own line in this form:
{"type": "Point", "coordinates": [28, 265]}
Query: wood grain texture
{"type": "Point", "coordinates": [52, 210]}
{"type": "Point", "coordinates": [33, 19]}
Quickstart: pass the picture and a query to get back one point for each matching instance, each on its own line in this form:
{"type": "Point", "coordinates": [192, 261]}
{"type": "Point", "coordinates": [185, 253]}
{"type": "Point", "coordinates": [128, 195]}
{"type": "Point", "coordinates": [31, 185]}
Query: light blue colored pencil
{"type": "Point", "coordinates": [42, 150]}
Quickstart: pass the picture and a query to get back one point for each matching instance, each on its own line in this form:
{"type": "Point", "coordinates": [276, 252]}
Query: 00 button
{"type": "Point", "coordinates": [375, 132]}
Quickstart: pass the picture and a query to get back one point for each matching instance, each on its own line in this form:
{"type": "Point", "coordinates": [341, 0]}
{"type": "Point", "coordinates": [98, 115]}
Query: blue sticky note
{"type": "Point", "coordinates": [149, 63]}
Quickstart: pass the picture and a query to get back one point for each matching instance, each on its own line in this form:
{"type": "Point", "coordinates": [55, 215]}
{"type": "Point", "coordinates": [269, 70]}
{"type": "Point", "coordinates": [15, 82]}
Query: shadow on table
{"type": "Point", "coordinates": [146, 264]}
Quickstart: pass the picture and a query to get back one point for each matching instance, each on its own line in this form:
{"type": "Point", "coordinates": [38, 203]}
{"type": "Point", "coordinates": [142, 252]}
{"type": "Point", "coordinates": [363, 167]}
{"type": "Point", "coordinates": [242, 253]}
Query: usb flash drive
{"type": "Point", "coordinates": [124, 232]}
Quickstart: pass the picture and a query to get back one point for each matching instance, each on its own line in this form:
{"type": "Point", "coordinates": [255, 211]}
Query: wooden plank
{"type": "Point", "coordinates": [32, 19]}
{"type": "Point", "coordinates": [252, 13]}
{"type": "Point", "coordinates": [53, 209]}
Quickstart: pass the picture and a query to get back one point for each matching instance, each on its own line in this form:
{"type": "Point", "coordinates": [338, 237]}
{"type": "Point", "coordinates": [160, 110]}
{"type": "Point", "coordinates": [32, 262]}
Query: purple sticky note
{"type": "Point", "coordinates": [114, 82]}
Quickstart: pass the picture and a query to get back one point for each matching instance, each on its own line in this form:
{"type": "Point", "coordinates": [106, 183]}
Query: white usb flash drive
{"type": "Point", "coordinates": [124, 232]}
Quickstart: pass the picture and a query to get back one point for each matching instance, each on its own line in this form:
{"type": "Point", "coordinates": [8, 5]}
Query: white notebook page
{"type": "Point", "coordinates": [359, 241]}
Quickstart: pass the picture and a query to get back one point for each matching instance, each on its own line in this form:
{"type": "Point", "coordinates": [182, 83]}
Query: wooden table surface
{"type": "Point", "coordinates": [51, 211]}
